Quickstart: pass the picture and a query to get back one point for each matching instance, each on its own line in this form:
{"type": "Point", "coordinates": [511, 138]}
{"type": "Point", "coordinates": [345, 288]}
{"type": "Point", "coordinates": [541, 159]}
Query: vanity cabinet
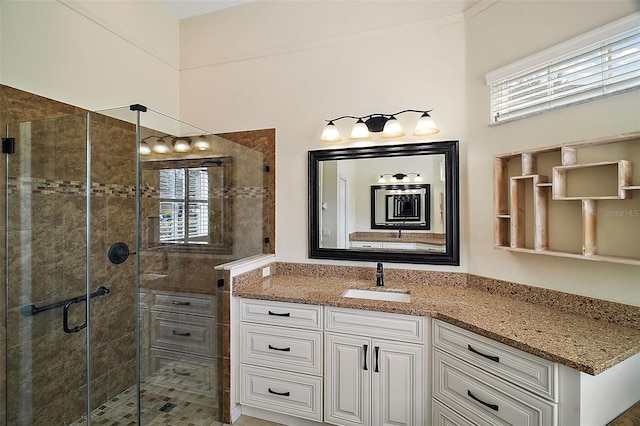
{"type": "Point", "coordinates": [477, 381]}
{"type": "Point", "coordinates": [373, 368]}
{"type": "Point", "coordinates": [486, 383]}
{"type": "Point", "coordinates": [281, 357]}
{"type": "Point", "coordinates": [182, 338]}
{"type": "Point", "coordinates": [398, 245]}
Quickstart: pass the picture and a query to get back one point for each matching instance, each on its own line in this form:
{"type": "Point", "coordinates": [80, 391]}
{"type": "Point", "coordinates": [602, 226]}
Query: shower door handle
{"type": "Point", "coordinates": [65, 316]}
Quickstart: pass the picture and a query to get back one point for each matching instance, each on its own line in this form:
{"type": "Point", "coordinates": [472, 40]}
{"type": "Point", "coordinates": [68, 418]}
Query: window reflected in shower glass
{"type": "Point", "coordinates": [184, 206]}
{"type": "Point", "coordinates": [188, 204]}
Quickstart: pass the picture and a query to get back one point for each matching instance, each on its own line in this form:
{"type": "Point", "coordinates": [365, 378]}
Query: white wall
{"type": "Point", "coordinates": [320, 60]}
{"type": "Point", "coordinates": [92, 54]}
{"type": "Point", "coordinates": [290, 65]}
{"type": "Point", "coordinates": [499, 36]}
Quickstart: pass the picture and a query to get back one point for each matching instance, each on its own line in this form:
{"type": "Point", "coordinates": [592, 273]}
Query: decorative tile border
{"type": "Point", "coordinates": [44, 186]}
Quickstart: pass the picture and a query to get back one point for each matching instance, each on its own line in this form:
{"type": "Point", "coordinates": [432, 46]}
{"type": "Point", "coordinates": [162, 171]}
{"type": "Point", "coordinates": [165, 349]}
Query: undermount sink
{"type": "Point", "coordinates": [390, 296]}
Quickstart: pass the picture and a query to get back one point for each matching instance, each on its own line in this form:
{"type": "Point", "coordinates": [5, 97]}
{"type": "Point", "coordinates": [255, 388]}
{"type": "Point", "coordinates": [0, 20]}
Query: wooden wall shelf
{"type": "Point", "coordinates": [523, 195]}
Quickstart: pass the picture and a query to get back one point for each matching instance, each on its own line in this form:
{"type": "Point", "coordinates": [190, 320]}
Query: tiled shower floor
{"type": "Point", "coordinates": [185, 404]}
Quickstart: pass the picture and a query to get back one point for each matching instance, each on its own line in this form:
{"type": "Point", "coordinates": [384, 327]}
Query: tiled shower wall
{"type": "Point", "coordinates": [47, 364]}
{"type": "Point", "coordinates": [46, 367]}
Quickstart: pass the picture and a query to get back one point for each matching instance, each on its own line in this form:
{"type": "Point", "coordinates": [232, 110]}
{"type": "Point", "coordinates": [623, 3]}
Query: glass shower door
{"type": "Point", "coordinates": [46, 280]}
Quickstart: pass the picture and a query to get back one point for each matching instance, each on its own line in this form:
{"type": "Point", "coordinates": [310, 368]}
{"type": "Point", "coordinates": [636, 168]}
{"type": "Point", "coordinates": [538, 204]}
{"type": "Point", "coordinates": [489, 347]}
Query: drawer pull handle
{"type": "Point", "coordinates": [176, 302]}
{"type": "Point", "coordinates": [185, 373]}
{"type": "Point", "coordinates": [280, 315]}
{"type": "Point", "coordinates": [377, 349]}
{"type": "Point", "coordinates": [176, 333]}
{"type": "Point", "coordinates": [494, 407]}
{"type": "Point", "coordinates": [365, 347]}
{"type": "Point", "coordinates": [279, 393]}
{"type": "Point", "coordinates": [491, 357]}
{"type": "Point", "coordinates": [280, 349]}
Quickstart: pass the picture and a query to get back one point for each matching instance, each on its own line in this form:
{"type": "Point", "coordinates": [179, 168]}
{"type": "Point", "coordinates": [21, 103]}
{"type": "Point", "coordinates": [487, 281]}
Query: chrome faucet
{"type": "Point", "coordinates": [379, 275]}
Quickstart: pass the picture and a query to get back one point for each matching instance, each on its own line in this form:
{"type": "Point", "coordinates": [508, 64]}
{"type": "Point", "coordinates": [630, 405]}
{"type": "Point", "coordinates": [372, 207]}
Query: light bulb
{"type": "Point", "coordinates": [392, 128]}
{"type": "Point", "coordinates": [360, 130]}
{"type": "Point", "coordinates": [330, 133]}
{"type": "Point", "coordinates": [161, 147]}
{"type": "Point", "coordinates": [426, 126]}
{"type": "Point", "coordinates": [201, 144]}
{"type": "Point", "coordinates": [144, 148]}
{"type": "Point", "coordinates": [181, 145]}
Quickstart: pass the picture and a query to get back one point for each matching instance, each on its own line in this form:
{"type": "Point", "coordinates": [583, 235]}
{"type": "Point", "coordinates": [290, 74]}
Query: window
{"type": "Point", "coordinates": [600, 63]}
{"type": "Point", "coordinates": [184, 206]}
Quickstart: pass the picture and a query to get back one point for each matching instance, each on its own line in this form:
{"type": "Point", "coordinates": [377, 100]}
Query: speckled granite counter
{"type": "Point", "coordinates": [579, 341]}
{"type": "Point", "coordinates": [407, 237]}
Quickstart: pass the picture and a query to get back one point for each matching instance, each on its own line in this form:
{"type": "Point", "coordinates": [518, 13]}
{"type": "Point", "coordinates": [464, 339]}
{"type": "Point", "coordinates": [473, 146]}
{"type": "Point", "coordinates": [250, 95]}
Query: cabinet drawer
{"type": "Point", "coordinates": [441, 415]}
{"type": "Point", "coordinates": [188, 303]}
{"type": "Point", "coordinates": [283, 392]}
{"type": "Point", "coordinates": [384, 325]}
{"type": "Point", "coordinates": [366, 244]}
{"type": "Point", "coordinates": [188, 333]}
{"type": "Point", "coordinates": [485, 399]}
{"type": "Point", "coordinates": [183, 371]}
{"type": "Point", "coordinates": [531, 372]}
{"type": "Point", "coordinates": [281, 313]}
{"type": "Point", "coordinates": [283, 348]}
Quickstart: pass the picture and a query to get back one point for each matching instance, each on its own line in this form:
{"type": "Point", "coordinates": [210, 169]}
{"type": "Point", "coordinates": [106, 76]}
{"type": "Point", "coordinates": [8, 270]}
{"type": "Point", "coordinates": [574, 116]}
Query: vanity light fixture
{"type": "Point", "coordinates": [161, 147]}
{"type": "Point", "coordinates": [145, 149]}
{"type": "Point", "coordinates": [386, 124]}
{"type": "Point", "coordinates": [399, 177]}
{"type": "Point", "coordinates": [181, 144]}
{"type": "Point", "coordinates": [201, 144]}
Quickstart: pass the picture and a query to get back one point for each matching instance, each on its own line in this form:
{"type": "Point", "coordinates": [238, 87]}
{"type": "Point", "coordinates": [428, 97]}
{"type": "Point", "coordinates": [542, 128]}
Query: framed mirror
{"type": "Point", "coordinates": [397, 203]}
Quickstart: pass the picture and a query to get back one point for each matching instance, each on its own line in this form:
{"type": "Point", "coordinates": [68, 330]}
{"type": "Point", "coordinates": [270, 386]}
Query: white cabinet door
{"type": "Point", "coordinates": [397, 397]}
{"type": "Point", "coordinates": [347, 380]}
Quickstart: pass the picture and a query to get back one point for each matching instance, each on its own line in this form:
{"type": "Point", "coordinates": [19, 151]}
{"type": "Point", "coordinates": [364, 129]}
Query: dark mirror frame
{"type": "Point", "coordinates": [452, 204]}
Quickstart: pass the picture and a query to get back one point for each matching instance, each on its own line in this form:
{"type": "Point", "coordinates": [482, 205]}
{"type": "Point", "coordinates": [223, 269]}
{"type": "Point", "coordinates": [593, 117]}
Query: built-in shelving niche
{"type": "Point", "coordinates": [579, 200]}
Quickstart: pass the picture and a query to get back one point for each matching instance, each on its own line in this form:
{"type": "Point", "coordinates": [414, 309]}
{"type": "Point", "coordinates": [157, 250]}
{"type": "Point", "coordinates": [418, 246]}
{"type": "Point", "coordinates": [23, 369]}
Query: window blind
{"type": "Point", "coordinates": [184, 206]}
{"type": "Point", "coordinates": [603, 62]}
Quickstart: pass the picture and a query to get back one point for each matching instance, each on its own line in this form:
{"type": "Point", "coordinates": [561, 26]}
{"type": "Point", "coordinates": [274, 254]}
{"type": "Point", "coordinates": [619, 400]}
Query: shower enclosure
{"type": "Point", "coordinates": [115, 222]}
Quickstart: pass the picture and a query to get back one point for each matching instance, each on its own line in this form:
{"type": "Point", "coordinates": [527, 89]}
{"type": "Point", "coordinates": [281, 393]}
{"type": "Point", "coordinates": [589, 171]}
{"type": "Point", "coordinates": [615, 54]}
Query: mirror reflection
{"type": "Point", "coordinates": [385, 203]}
{"type": "Point", "coordinates": [401, 206]}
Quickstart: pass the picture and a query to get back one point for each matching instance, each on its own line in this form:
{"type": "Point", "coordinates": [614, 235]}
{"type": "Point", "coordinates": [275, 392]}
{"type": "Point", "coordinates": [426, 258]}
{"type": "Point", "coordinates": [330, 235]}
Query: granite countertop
{"type": "Point", "coordinates": [585, 344]}
{"type": "Point", "coordinates": [407, 237]}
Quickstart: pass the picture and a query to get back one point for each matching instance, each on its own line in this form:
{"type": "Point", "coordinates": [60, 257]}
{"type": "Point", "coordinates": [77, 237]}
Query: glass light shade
{"type": "Point", "coordinates": [405, 178]}
{"type": "Point", "coordinates": [360, 130]}
{"type": "Point", "coordinates": [382, 179]}
{"type": "Point", "coordinates": [392, 129]}
{"type": "Point", "coordinates": [330, 133]}
{"type": "Point", "coordinates": [181, 145]}
{"type": "Point", "coordinates": [425, 126]}
{"type": "Point", "coordinates": [201, 144]}
{"type": "Point", "coordinates": [161, 147]}
{"type": "Point", "coordinates": [393, 179]}
{"type": "Point", "coordinates": [418, 178]}
{"type": "Point", "coordinates": [144, 148]}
